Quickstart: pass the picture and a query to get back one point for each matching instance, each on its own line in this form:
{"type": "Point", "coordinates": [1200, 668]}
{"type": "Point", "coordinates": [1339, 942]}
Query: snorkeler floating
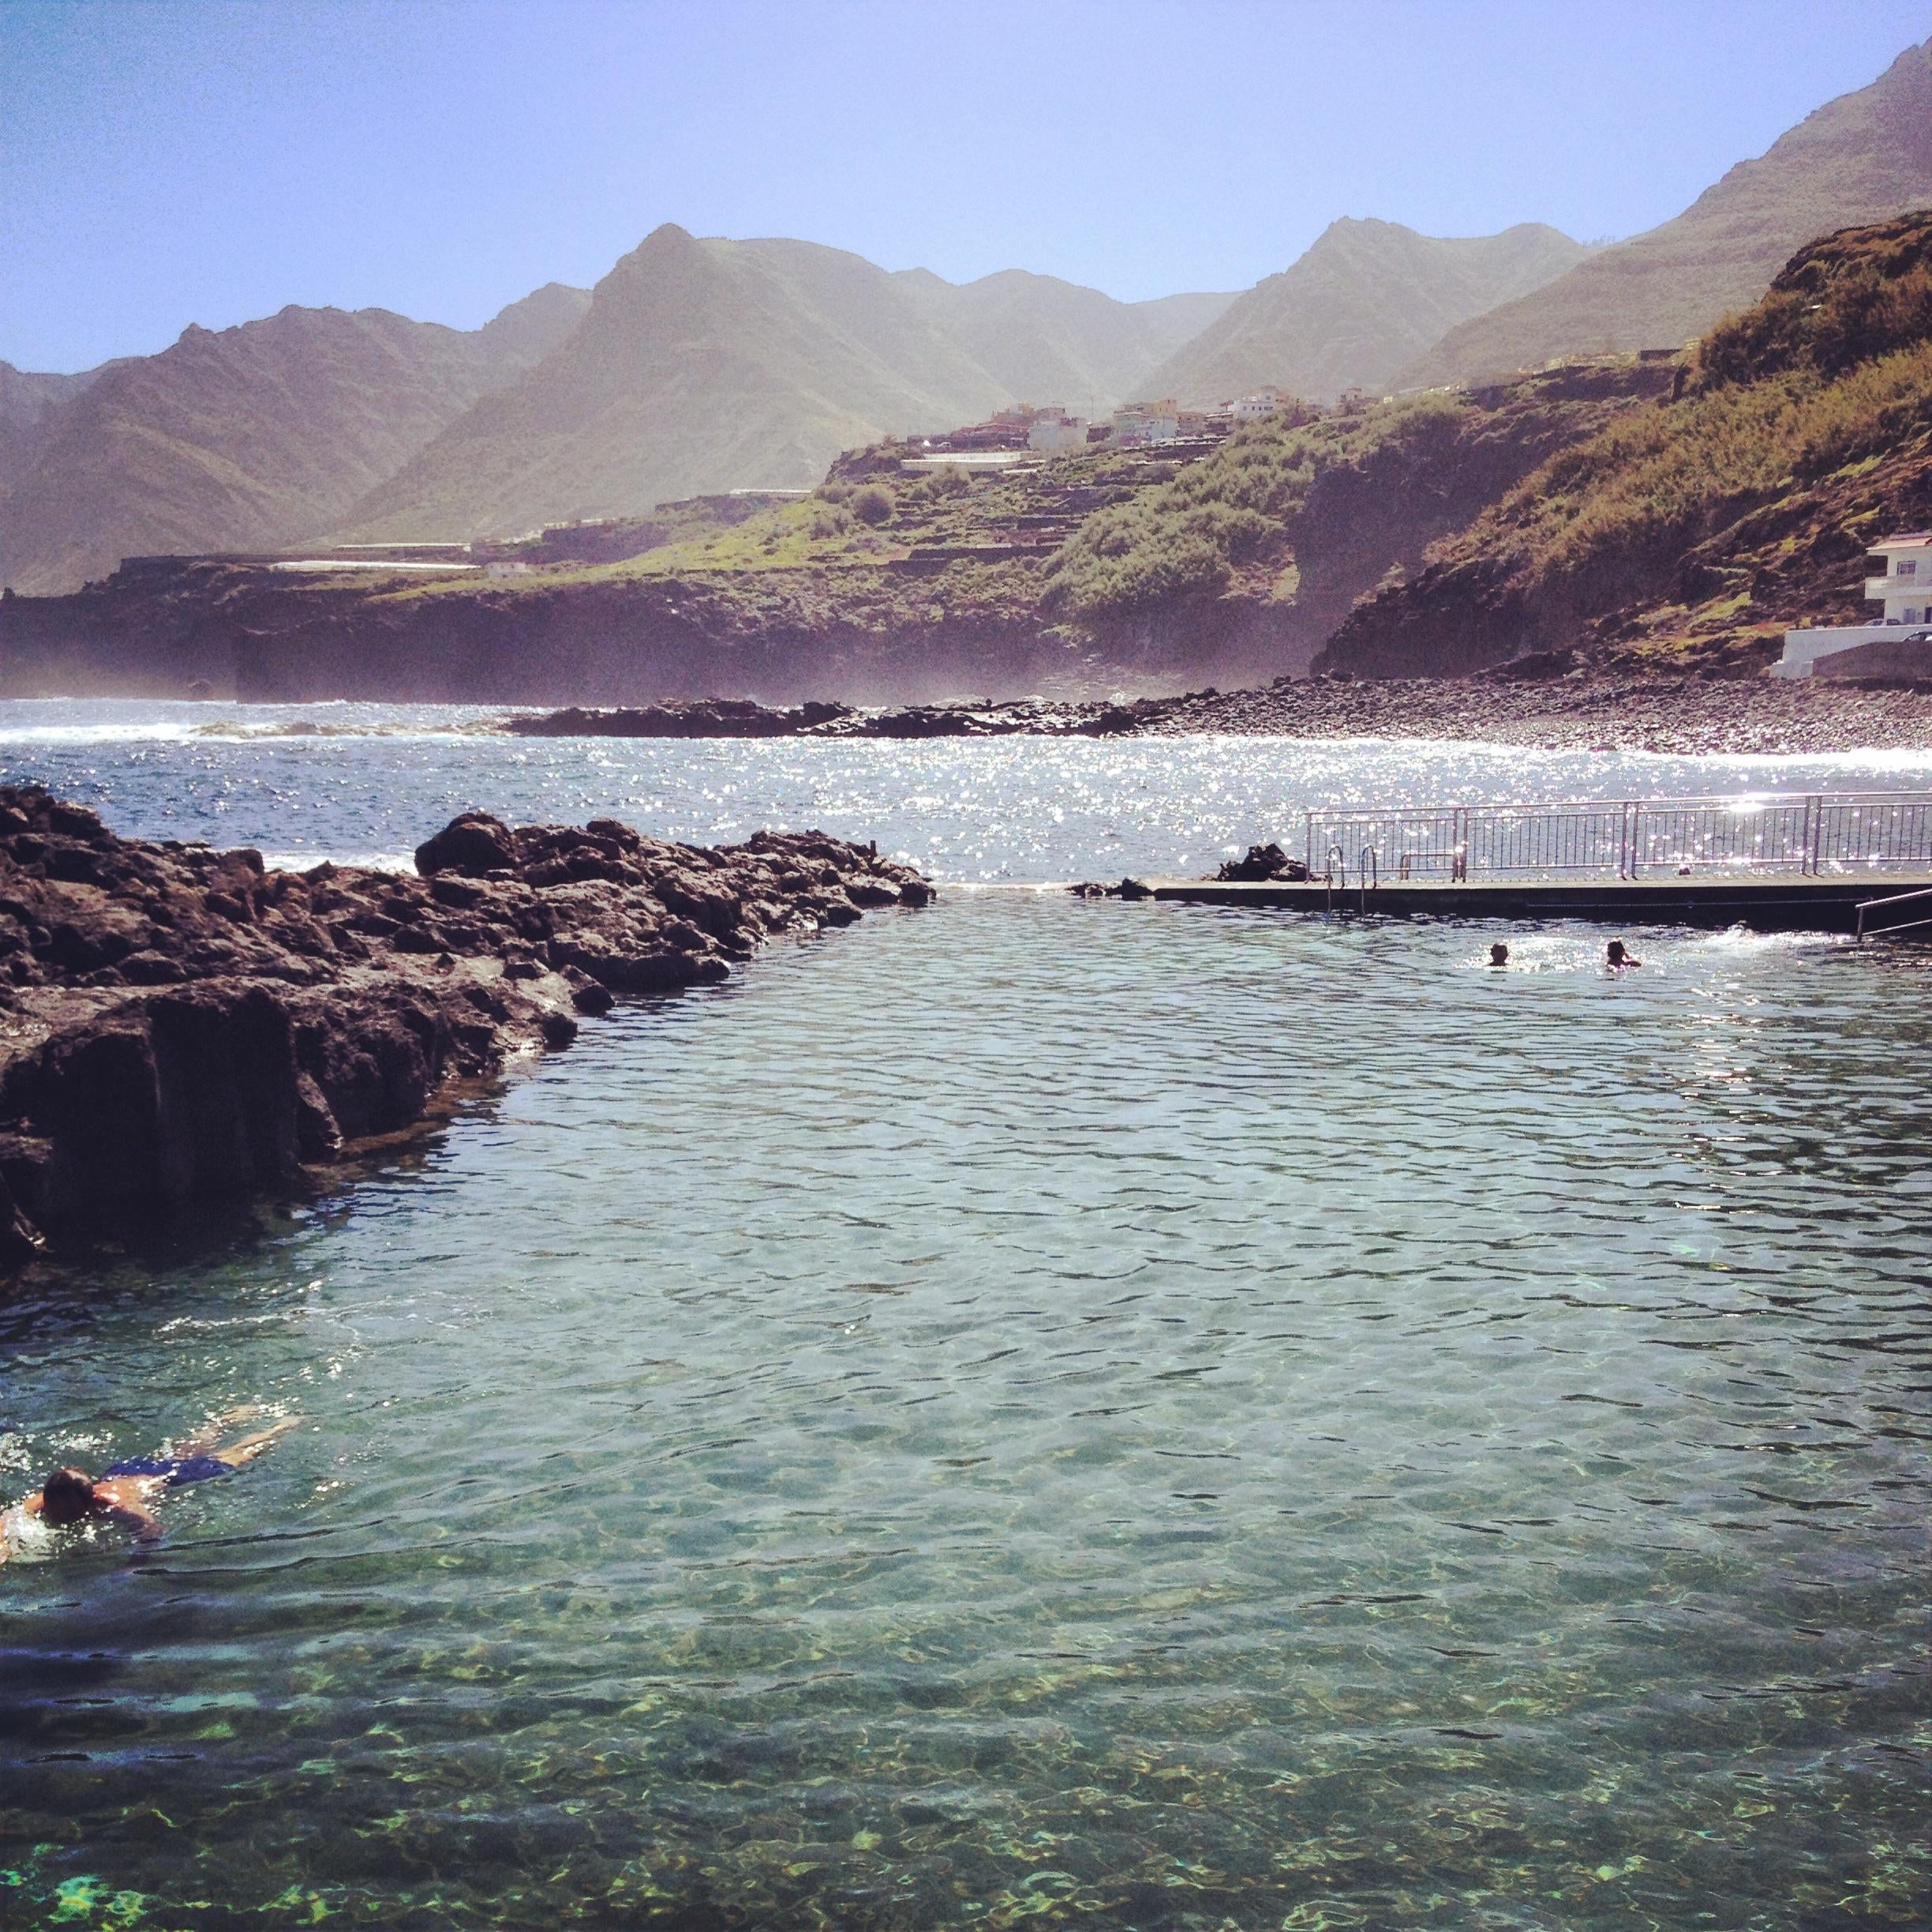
{"type": "Point", "coordinates": [121, 1492]}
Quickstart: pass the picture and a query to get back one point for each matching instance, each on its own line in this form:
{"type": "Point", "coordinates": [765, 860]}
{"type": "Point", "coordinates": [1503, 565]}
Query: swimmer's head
{"type": "Point", "coordinates": [1616, 951]}
{"type": "Point", "coordinates": [67, 1496]}
{"type": "Point", "coordinates": [1499, 954]}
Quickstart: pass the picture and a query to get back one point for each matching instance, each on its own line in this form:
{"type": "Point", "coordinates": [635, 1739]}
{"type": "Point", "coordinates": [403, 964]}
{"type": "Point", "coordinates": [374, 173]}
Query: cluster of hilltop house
{"type": "Point", "coordinates": [1895, 641]}
{"type": "Point", "coordinates": [1052, 430]}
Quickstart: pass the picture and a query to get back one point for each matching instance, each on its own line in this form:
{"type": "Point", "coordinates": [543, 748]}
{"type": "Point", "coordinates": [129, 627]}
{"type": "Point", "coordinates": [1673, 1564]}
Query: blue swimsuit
{"type": "Point", "coordinates": [173, 1470]}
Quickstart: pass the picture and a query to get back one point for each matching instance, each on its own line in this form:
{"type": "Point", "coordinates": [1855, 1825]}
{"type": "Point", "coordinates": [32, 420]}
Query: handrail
{"type": "Point", "coordinates": [1872, 905]}
{"type": "Point", "coordinates": [1815, 834]}
{"type": "Point", "coordinates": [1328, 873]}
{"type": "Point", "coordinates": [1368, 876]}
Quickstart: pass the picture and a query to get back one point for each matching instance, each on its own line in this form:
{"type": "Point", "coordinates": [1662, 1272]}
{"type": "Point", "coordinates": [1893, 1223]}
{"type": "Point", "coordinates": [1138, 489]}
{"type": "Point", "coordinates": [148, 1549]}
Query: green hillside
{"type": "Point", "coordinates": [709, 365]}
{"type": "Point", "coordinates": [1295, 520]}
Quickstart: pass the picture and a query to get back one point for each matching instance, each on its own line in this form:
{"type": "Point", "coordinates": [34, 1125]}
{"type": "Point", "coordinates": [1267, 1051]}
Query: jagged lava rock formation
{"type": "Point", "coordinates": [177, 1023]}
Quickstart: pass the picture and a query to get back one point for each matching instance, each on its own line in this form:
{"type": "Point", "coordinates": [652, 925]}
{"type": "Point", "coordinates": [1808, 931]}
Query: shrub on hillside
{"type": "Point", "coordinates": [872, 502]}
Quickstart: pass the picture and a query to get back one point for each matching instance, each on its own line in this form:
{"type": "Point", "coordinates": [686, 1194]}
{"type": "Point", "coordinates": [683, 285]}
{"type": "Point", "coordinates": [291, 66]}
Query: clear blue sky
{"type": "Point", "coordinates": [164, 161]}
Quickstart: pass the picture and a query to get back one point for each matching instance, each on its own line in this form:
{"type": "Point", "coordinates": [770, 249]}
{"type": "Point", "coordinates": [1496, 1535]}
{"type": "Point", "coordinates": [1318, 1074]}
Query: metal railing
{"type": "Point", "coordinates": [1864, 930]}
{"type": "Point", "coordinates": [1813, 834]}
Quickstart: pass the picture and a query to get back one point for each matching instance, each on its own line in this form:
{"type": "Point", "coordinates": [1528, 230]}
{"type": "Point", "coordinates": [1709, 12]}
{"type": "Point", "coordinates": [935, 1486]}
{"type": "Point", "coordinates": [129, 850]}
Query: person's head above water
{"type": "Point", "coordinates": [68, 1496]}
{"type": "Point", "coordinates": [1617, 953]}
{"type": "Point", "coordinates": [1499, 954]}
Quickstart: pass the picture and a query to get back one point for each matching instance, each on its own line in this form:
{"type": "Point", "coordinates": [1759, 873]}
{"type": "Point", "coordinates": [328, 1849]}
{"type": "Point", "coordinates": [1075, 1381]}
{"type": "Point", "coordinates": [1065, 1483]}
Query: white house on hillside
{"type": "Point", "coordinates": [1266, 401]}
{"type": "Point", "coordinates": [1902, 588]}
{"type": "Point", "coordinates": [1146, 422]}
{"type": "Point", "coordinates": [1054, 431]}
{"type": "Point", "coordinates": [1904, 585]}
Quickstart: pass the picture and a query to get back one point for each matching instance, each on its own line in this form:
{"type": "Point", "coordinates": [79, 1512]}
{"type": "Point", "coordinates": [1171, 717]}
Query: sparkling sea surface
{"type": "Point", "coordinates": [1036, 1413]}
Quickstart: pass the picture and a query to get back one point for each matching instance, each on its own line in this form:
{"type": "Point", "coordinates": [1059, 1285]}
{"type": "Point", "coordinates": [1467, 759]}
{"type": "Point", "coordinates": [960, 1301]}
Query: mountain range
{"type": "Point", "coordinates": [1367, 298]}
{"type": "Point", "coordinates": [253, 437]}
{"type": "Point", "coordinates": [704, 365]}
{"type": "Point", "coordinates": [700, 367]}
{"type": "Point", "coordinates": [1863, 157]}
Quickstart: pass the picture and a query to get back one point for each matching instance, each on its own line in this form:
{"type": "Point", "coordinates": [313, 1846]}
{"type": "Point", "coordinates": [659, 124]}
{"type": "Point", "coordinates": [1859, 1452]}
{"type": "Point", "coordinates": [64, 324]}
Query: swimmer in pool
{"type": "Point", "coordinates": [122, 1493]}
{"type": "Point", "coordinates": [1499, 954]}
{"type": "Point", "coordinates": [1617, 956]}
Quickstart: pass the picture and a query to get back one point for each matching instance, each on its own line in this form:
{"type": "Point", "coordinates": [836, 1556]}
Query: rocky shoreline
{"type": "Point", "coordinates": [1575, 711]}
{"type": "Point", "coordinates": [1551, 709]}
{"type": "Point", "coordinates": [179, 1024]}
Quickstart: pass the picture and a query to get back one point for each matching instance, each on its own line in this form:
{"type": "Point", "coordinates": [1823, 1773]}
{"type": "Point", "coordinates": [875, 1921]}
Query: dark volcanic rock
{"type": "Point", "coordinates": [723, 718]}
{"type": "Point", "coordinates": [1263, 861]}
{"type": "Point", "coordinates": [701, 718]}
{"type": "Point", "coordinates": [177, 1023]}
{"type": "Point", "coordinates": [1553, 698]}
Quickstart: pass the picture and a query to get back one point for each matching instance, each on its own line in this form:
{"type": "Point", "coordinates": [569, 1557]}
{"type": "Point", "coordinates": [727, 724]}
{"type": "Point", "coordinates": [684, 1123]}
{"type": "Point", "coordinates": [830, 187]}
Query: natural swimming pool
{"type": "Point", "coordinates": [1033, 1411]}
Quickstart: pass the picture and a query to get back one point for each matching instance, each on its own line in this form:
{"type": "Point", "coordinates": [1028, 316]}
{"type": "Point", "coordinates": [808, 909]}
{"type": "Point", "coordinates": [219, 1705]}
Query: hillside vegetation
{"type": "Point", "coordinates": [711, 366]}
{"type": "Point", "coordinates": [1675, 511]}
{"type": "Point", "coordinates": [1289, 522]}
{"type": "Point", "coordinates": [1699, 529]}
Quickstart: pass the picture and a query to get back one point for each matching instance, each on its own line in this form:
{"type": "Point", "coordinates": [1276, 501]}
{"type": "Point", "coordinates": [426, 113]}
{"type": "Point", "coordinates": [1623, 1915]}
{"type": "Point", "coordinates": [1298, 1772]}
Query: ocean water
{"type": "Point", "coordinates": [1035, 1412]}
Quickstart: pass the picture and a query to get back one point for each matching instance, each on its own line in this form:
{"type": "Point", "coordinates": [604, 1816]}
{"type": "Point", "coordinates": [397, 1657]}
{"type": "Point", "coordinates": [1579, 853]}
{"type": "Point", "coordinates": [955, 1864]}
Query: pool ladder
{"type": "Point", "coordinates": [1368, 879]}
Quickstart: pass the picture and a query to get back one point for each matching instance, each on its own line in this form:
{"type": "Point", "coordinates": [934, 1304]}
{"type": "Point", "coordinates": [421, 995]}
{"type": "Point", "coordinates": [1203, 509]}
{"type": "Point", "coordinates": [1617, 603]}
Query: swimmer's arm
{"type": "Point", "coordinates": [145, 1525]}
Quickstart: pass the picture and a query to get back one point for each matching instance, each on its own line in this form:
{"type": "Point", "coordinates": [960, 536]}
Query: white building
{"type": "Point", "coordinates": [1904, 585]}
{"type": "Point", "coordinates": [1148, 422]}
{"type": "Point", "coordinates": [1902, 588]}
{"type": "Point", "coordinates": [1266, 401]}
{"type": "Point", "coordinates": [1053, 432]}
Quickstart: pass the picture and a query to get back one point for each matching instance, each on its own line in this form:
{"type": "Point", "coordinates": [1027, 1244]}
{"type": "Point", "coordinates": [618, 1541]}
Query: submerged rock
{"type": "Point", "coordinates": [177, 1023]}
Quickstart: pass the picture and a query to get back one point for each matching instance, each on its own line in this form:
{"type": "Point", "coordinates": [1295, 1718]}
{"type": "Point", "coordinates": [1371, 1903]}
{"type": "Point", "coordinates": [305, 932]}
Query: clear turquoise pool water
{"type": "Point", "coordinates": [1035, 1412]}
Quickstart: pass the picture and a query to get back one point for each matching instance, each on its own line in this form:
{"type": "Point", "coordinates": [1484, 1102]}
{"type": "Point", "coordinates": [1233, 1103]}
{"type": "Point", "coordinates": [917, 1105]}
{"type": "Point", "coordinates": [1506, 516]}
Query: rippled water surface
{"type": "Point", "coordinates": [1031, 1413]}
